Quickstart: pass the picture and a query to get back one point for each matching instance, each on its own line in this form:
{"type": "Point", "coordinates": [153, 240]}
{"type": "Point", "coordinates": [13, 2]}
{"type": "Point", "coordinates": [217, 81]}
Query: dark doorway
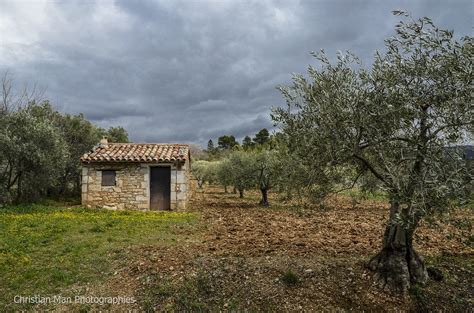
{"type": "Point", "coordinates": [160, 188]}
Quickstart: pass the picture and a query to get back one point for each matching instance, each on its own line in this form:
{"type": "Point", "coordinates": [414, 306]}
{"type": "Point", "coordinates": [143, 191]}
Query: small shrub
{"type": "Point", "coordinates": [289, 278]}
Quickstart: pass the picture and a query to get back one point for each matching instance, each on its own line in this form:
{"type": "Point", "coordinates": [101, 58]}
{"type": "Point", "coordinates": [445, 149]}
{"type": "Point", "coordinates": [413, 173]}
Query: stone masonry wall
{"type": "Point", "coordinates": [132, 189]}
{"type": "Point", "coordinates": [179, 187]}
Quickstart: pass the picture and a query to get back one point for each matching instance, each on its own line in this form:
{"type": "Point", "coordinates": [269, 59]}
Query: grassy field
{"type": "Point", "coordinates": [46, 250]}
{"type": "Point", "coordinates": [226, 254]}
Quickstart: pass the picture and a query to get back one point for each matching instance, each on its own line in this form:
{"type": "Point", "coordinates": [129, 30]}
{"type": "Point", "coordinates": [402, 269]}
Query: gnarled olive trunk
{"type": "Point", "coordinates": [398, 264]}
{"type": "Point", "coordinates": [241, 193]}
{"type": "Point", "coordinates": [264, 200]}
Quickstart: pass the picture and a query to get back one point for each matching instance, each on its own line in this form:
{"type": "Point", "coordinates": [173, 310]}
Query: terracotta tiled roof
{"type": "Point", "coordinates": [137, 152]}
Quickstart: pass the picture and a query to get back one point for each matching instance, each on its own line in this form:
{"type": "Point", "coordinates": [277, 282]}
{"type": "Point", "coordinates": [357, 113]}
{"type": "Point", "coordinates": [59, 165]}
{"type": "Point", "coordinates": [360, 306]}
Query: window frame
{"type": "Point", "coordinates": [110, 173]}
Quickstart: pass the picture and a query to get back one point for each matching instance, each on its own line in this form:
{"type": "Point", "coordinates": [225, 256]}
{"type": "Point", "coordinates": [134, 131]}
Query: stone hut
{"type": "Point", "coordinates": [136, 176]}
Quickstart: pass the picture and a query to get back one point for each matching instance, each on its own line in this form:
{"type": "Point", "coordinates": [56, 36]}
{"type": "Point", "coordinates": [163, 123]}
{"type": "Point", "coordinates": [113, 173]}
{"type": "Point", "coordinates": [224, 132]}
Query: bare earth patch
{"type": "Point", "coordinates": [238, 256]}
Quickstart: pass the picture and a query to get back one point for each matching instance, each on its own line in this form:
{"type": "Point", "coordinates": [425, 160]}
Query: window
{"type": "Point", "coordinates": [108, 178]}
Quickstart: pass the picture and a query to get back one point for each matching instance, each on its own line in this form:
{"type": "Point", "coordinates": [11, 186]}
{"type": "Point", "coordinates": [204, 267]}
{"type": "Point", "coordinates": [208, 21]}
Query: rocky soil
{"type": "Point", "coordinates": [283, 258]}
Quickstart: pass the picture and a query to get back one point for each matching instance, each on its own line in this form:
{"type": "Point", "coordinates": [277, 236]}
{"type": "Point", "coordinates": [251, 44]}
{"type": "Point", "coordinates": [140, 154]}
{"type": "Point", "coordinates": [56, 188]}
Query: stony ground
{"type": "Point", "coordinates": [241, 256]}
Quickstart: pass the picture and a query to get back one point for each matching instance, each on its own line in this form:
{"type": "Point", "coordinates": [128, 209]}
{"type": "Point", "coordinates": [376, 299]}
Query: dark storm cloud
{"type": "Point", "coordinates": [190, 70]}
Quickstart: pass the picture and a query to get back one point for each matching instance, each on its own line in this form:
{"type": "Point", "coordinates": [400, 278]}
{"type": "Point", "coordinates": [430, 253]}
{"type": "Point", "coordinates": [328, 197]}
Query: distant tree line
{"type": "Point", "coordinates": [40, 148]}
{"type": "Point", "coordinates": [228, 142]}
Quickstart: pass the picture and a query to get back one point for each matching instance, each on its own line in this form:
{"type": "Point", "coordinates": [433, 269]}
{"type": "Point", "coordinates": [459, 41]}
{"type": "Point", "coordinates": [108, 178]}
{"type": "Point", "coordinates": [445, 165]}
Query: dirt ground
{"type": "Point", "coordinates": [245, 257]}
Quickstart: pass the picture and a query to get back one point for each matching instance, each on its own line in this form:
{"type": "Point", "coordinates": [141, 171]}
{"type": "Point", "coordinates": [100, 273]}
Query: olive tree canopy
{"type": "Point", "coordinates": [393, 121]}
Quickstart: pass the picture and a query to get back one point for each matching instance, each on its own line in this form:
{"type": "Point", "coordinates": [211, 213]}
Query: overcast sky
{"type": "Point", "coordinates": [187, 71]}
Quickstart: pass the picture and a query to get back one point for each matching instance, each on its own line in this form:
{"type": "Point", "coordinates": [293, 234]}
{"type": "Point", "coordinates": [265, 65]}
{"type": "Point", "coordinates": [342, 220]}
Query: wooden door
{"type": "Point", "coordinates": [160, 188]}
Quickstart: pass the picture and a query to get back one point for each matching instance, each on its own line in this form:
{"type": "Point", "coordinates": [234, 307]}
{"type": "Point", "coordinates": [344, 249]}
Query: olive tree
{"type": "Point", "coordinates": [33, 154]}
{"type": "Point", "coordinates": [199, 172]}
{"type": "Point", "coordinates": [267, 169]}
{"type": "Point", "coordinates": [205, 171]}
{"type": "Point", "coordinates": [394, 122]}
{"type": "Point", "coordinates": [32, 149]}
{"type": "Point", "coordinates": [299, 177]}
{"type": "Point", "coordinates": [79, 134]}
{"type": "Point", "coordinates": [237, 170]}
{"type": "Point", "coordinates": [40, 148]}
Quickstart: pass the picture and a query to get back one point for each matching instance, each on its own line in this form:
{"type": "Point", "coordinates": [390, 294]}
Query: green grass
{"type": "Point", "coordinates": [358, 194]}
{"type": "Point", "coordinates": [46, 249]}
